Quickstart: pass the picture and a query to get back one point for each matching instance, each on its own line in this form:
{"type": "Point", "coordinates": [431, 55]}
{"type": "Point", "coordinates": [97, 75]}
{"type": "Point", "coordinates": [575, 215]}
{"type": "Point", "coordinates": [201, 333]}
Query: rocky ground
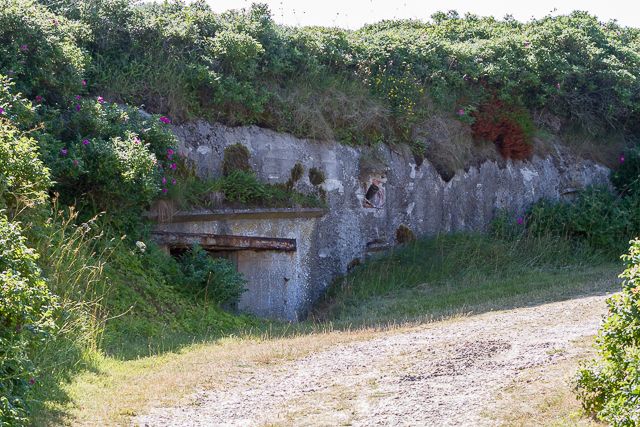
{"type": "Point", "coordinates": [443, 373]}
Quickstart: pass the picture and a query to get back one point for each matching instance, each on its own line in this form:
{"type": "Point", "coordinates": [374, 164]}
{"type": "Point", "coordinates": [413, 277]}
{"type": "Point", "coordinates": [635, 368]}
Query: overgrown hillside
{"type": "Point", "coordinates": [89, 90]}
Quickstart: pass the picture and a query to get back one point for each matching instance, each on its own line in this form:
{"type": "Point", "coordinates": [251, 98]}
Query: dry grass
{"type": "Point", "coordinates": [543, 396]}
{"type": "Point", "coordinates": [122, 389]}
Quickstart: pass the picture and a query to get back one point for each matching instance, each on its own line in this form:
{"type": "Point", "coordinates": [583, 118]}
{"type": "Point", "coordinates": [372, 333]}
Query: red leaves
{"type": "Point", "coordinates": [498, 122]}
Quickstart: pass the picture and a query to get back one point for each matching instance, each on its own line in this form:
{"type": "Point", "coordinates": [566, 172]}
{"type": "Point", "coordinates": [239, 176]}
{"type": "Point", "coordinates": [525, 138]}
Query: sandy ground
{"type": "Point", "coordinates": [443, 373]}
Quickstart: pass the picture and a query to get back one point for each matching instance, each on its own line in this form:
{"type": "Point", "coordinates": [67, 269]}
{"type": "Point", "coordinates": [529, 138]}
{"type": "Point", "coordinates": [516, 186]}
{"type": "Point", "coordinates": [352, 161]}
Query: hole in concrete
{"type": "Point", "coordinates": [374, 197]}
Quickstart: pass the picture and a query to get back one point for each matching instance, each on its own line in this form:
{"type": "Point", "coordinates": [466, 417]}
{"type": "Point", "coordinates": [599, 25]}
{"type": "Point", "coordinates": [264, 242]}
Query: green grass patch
{"type": "Point", "coordinates": [455, 274]}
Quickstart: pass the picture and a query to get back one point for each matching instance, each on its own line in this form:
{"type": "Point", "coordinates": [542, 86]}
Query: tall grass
{"type": "Point", "coordinates": [464, 273]}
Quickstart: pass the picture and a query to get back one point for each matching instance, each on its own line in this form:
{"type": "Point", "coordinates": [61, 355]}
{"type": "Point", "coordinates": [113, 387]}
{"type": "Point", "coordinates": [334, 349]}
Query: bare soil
{"type": "Point", "coordinates": [444, 373]}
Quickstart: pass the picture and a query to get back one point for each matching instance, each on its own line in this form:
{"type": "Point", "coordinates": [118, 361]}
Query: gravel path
{"type": "Point", "coordinates": [444, 373]}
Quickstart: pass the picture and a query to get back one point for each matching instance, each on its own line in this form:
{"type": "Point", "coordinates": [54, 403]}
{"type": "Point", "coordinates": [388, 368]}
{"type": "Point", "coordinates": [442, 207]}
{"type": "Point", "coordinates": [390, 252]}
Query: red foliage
{"type": "Point", "coordinates": [496, 122]}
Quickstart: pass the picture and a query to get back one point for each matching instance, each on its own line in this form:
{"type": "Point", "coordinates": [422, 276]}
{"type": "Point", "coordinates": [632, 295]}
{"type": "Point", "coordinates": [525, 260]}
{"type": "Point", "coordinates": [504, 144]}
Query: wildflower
{"type": "Point", "coordinates": [621, 158]}
{"type": "Point", "coordinates": [85, 142]}
{"type": "Point", "coordinates": [78, 107]}
{"type": "Point", "coordinates": [165, 120]}
{"type": "Point", "coordinates": [54, 22]}
{"type": "Point", "coordinates": [558, 86]}
{"type": "Point", "coordinates": [520, 220]}
{"type": "Point", "coordinates": [461, 112]}
{"type": "Point", "coordinates": [1, 111]}
{"type": "Point", "coordinates": [84, 82]}
{"type": "Point", "coordinates": [75, 162]}
{"type": "Point", "coordinates": [100, 100]}
{"type": "Point", "coordinates": [164, 180]}
{"type": "Point", "coordinates": [170, 152]}
{"type": "Point", "coordinates": [78, 97]}
{"type": "Point", "coordinates": [32, 381]}
{"type": "Point", "coordinates": [38, 99]}
{"type": "Point", "coordinates": [164, 190]}
{"type": "Point", "coordinates": [173, 166]}
{"type": "Point", "coordinates": [527, 43]}
{"type": "Point", "coordinates": [24, 48]}
{"type": "Point", "coordinates": [64, 152]}
{"type": "Point", "coordinates": [136, 140]}
{"type": "Point", "coordinates": [173, 181]}
{"type": "Point", "coordinates": [141, 246]}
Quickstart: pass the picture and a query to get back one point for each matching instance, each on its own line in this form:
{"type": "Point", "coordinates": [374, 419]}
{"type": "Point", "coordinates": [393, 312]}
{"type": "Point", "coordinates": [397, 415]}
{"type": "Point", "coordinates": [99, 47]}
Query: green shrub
{"type": "Point", "coordinates": [217, 277]}
{"type": "Point", "coordinates": [41, 51]}
{"type": "Point", "coordinates": [626, 178]}
{"type": "Point", "coordinates": [24, 180]}
{"type": "Point", "coordinates": [597, 216]}
{"type": "Point", "coordinates": [26, 321]}
{"type": "Point", "coordinates": [107, 157]}
{"type": "Point", "coordinates": [610, 386]}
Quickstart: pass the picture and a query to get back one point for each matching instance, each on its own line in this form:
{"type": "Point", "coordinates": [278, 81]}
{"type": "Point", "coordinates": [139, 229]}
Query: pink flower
{"type": "Point", "coordinates": [85, 142]}
{"type": "Point", "coordinates": [461, 112]}
{"type": "Point", "coordinates": [164, 190]}
{"type": "Point", "coordinates": [164, 180]}
{"type": "Point", "coordinates": [558, 86]}
{"type": "Point", "coordinates": [136, 140]}
{"type": "Point", "coordinates": [78, 107]}
{"type": "Point", "coordinates": [100, 100]}
{"type": "Point", "coordinates": [64, 152]}
{"type": "Point", "coordinates": [78, 97]}
{"type": "Point", "coordinates": [84, 82]}
{"type": "Point", "coordinates": [621, 158]}
{"type": "Point", "coordinates": [520, 220]}
{"type": "Point", "coordinates": [527, 43]}
{"type": "Point", "coordinates": [165, 120]}
{"type": "Point", "coordinates": [75, 162]}
{"type": "Point", "coordinates": [170, 152]}
{"type": "Point", "coordinates": [24, 48]}
{"type": "Point", "coordinates": [32, 381]}
{"type": "Point", "coordinates": [1, 111]}
{"type": "Point", "coordinates": [173, 181]}
{"type": "Point", "coordinates": [38, 99]}
{"type": "Point", "coordinates": [173, 166]}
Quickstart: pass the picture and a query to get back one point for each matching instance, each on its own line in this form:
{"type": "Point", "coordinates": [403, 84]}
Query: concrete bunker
{"type": "Point", "coordinates": [272, 248]}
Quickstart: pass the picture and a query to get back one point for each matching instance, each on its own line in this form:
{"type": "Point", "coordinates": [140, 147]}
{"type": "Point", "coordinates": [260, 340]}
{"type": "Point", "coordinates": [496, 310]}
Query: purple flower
{"type": "Point", "coordinates": [136, 140]}
{"type": "Point", "coordinates": [520, 220]}
{"type": "Point", "coordinates": [1, 111]}
{"type": "Point", "coordinates": [173, 166]}
{"type": "Point", "coordinates": [75, 162]}
{"type": "Point", "coordinates": [85, 142]}
{"type": "Point", "coordinates": [78, 97]}
{"type": "Point", "coordinates": [100, 100]}
{"type": "Point", "coordinates": [78, 107]}
{"type": "Point", "coordinates": [621, 158]}
{"type": "Point", "coordinates": [64, 152]}
{"type": "Point", "coordinates": [164, 190]}
{"type": "Point", "coordinates": [170, 152]}
{"type": "Point", "coordinates": [173, 181]}
{"type": "Point", "coordinates": [165, 120]}
{"type": "Point", "coordinates": [38, 99]}
{"type": "Point", "coordinates": [164, 180]}
{"type": "Point", "coordinates": [461, 112]}
{"type": "Point", "coordinates": [32, 381]}
{"type": "Point", "coordinates": [84, 82]}
{"type": "Point", "coordinates": [24, 48]}
{"type": "Point", "coordinates": [558, 86]}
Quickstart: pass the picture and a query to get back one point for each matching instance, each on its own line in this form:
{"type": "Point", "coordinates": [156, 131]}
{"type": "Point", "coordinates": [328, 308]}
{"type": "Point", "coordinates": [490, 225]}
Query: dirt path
{"type": "Point", "coordinates": [444, 373]}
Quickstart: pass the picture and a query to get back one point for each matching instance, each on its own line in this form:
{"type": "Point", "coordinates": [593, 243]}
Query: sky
{"type": "Point", "coordinates": [355, 13]}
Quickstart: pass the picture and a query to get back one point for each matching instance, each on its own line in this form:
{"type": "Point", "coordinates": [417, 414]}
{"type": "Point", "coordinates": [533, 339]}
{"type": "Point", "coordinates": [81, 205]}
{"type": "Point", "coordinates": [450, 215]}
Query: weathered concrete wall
{"type": "Point", "coordinates": [413, 195]}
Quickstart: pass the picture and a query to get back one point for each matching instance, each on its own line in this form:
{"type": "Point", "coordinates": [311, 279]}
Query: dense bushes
{"type": "Point", "coordinates": [242, 68]}
{"type": "Point", "coordinates": [26, 319]}
{"type": "Point", "coordinates": [610, 386]}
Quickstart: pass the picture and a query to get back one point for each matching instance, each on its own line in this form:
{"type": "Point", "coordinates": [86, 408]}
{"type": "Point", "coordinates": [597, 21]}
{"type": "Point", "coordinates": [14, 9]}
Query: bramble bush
{"type": "Point", "coordinates": [610, 386]}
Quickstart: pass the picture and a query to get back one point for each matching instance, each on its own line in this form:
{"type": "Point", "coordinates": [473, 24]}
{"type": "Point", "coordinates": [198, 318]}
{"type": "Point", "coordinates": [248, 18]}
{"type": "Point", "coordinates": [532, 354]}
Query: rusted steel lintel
{"type": "Point", "coordinates": [224, 242]}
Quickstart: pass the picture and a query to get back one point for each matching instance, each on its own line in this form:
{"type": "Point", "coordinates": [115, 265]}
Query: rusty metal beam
{"type": "Point", "coordinates": [224, 242]}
